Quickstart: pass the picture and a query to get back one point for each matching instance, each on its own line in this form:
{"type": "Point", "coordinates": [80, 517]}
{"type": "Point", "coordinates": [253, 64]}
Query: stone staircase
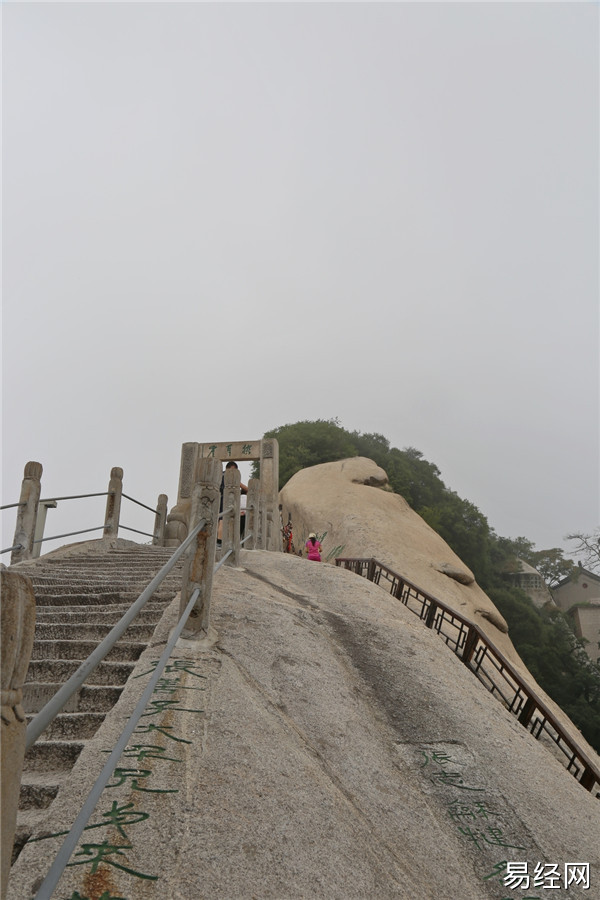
{"type": "Point", "coordinates": [79, 598]}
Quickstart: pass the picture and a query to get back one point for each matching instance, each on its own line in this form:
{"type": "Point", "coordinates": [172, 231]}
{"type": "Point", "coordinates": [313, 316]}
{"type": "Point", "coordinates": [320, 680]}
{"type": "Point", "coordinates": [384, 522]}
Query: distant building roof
{"type": "Point", "coordinates": [532, 583]}
{"type": "Point", "coordinates": [580, 571]}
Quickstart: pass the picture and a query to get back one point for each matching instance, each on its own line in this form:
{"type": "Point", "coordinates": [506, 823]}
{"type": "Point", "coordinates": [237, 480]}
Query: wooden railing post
{"type": "Point", "coordinates": [31, 488]}
{"type": "Point", "coordinates": [430, 617]}
{"type": "Point", "coordinates": [160, 519]}
{"type": "Point", "coordinates": [470, 644]}
{"type": "Point", "coordinates": [113, 503]}
{"type": "Point", "coordinates": [17, 626]}
{"type": "Point", "coordinates": [199, 567]}
{"type": "Point", "coordinates": [527, 712]}
{"type": "Point", "coordinates": [399, 589]}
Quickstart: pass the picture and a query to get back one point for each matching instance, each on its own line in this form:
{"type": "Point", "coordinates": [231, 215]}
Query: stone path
{"type": "Point", "coordinates": [79, 598]}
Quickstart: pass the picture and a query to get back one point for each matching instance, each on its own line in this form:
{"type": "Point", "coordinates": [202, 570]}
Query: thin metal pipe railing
{"type": "Point", "coordinates": [76, 497]}
{"type": "Point", "coordinates": [12, 505]}
{"type": "Point", "coordinates": [139, 503]}
{"type": "Point", "coordinates": [70, 842]}
{"type": "Point", "coordinates": [222, 560]}
{"type": "Point", "coordinates": [137, 531]}
{"type": "Point", "coordinates": [16, 547]}
{"type": "Point", "coordinates": [68, 534]}
{"type": "Point", "coordinates": [57, 702]}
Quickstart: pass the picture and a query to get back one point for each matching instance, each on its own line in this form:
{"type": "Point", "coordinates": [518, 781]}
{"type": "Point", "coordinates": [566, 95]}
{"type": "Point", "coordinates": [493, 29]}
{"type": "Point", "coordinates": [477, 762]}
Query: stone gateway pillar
{"type": "Point", "coordinates": [199, 566]}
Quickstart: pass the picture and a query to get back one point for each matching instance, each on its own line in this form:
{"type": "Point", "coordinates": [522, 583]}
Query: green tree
{"type": "Point", "coordinates": [306, 443]}
{"type": "Point", "coordinates": [552, 565]}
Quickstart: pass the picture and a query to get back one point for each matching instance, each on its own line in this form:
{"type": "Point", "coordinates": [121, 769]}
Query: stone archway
{"type": "Point", "coordinates": [266, 451]}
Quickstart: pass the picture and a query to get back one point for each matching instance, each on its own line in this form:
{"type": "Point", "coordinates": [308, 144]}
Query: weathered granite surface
{"type": "Point", "coordinates": [361, 520]}
{"type": "Point", "coordinates": [329, 746]}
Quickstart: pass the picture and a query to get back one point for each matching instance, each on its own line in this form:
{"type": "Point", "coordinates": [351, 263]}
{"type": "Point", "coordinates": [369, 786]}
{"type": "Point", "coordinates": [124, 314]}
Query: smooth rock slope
{"type": "Point", "coordinates": [348, 500]}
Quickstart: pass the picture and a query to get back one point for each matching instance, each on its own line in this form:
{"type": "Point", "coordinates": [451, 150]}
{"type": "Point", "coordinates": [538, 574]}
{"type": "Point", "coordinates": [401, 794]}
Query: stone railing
{"type": "Point", "coordinates": [200, 553]}
{"type": "Point", "coordinates": [31, 514]}
{"type": "Point", "coordinates": [467, 640]}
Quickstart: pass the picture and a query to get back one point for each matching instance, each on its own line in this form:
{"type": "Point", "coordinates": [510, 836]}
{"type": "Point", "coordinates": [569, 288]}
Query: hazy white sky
{"type": "Point", "coordinates": [220, 218]}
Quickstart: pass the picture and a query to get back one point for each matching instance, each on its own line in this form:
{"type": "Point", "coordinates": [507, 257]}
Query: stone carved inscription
{"type": "Point", "coordinates": [482, 819]}
{"type": "Point", "coordinates": [114, 849]}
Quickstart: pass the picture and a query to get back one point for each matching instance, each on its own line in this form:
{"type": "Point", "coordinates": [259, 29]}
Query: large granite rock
{"type": "Point", "coordinates": [344, 499]}
{"type": "Point", "coordinates": [330, 746]}
{"type": "Point", "coordinates": [362, 520]}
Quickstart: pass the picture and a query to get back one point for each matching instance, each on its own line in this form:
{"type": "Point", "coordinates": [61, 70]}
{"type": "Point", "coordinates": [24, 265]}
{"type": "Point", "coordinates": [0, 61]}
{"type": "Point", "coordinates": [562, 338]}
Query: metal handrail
{"type": "Point", "coordinates": [75, 497]}
{"type": "Point", "coordinates": [69, 534]}
{"type": "Point", "coordinates": [58, 701]}
{"type": "Point", "coordinates": [139, 503]}
{"type": "Point", "coordinates": [84, 530]}
{"type": "Point", "coordinates": [9, 549]}
{"type": "Point", "coordinates": [525, 701]}
{"type": "Point", "coordinates": [137, 531]}
{"type": "Point", "coordinates": [70, 842]}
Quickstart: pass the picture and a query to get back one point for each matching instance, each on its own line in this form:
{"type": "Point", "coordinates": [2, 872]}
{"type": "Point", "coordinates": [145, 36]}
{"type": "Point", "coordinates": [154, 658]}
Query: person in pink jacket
{"type": "Point", "coordinates": [313, 547]}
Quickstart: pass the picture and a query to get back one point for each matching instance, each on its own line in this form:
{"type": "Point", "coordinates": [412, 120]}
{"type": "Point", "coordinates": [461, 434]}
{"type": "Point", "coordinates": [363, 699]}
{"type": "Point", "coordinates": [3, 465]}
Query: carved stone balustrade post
{"type": "Point", "coordinates": [252, 513]}
{"type": "Point", "coordinates": [40, 524]}
{"type": "Point", "coordinates": [231, 515]}
{"type": "Point", "coordinates": [160, 519]}
{"type": "Point", "coordinates": [27, 513]}
{"type": "Point", "coordinates": [17, 625]}
{"type": "Point", "coordinates": [113, 503]}
{"type": "Point", "coordinates": [269, 495]}
{"type": "Point", "coordinates": [199, 567]}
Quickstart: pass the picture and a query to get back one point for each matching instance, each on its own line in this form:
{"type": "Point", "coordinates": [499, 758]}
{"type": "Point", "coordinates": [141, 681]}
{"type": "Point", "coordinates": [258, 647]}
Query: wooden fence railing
{"type": "Point", "coordinates": [486, 661]}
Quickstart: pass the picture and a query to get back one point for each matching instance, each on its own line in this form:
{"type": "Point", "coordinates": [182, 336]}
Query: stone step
{"type": "Point", "coordinates": [37, 794]}
{"type": "Point", "coordinates": [66, 631]}
{"type": "Point", "coordinates": [51, 756]}
{"type": "Point", "coordinates": [73, 726]}
{"type": "Point", "coordinates": [99, 576]}
{"type": "Point", "coordinates": [60, 670]}
{"type": "Point", "coordinates": [76, 615]}
{"type": "Point", "coordinates": [80, 650]}
{"type": "Point", "coordinates": [93, 698]}
{"type": "Point", "coordinates": [65, 595]}
{"type": "Point", "coordinates": [78, 601]}
{"type": "Point", "coordinates": [95, 565]}
{"type": "Point", "coordinates": [91, 599]}
{"type": "Point", "coordinates": [105, 573]}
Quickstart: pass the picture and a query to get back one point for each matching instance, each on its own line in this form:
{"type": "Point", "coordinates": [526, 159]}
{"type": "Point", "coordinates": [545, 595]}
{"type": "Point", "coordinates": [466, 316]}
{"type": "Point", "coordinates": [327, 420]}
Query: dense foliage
{"type": "Point", "coordinates": [543, 638]}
